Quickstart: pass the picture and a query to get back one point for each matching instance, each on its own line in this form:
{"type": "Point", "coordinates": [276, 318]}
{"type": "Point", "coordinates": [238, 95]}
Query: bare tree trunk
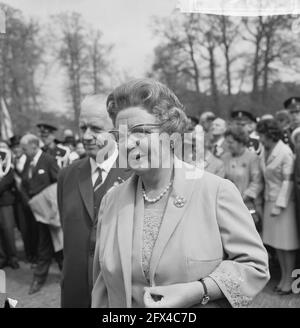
{"type": "Point", "coordinates": [226, 53]}
{"type": "Point", "coordinates": [255, 76]}
{"type": "Point", "coordinates": [196, 74]}
{"type": "Point", "coordinates": [266, 69]}
{"type": "Point", "coordinates": [213, 82]}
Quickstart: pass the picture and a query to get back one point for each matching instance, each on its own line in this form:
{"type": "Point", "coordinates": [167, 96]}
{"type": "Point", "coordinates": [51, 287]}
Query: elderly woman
{"type": "Point", "coordinates": [172, 235]}
{"type": "Point", "coordinates": [279, 219]}
{"type": "Point", "coordinates": [242, 165]}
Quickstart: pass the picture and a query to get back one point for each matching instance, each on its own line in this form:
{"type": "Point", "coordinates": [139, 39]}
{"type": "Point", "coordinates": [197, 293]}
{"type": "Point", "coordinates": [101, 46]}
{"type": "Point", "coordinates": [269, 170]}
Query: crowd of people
{"type": "Point", "coordinates": [260, 156]}
{"type": "Point", "coordinates": [139, 236]}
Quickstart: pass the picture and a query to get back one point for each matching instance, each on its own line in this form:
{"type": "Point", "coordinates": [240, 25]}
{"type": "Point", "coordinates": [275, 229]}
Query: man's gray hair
{"type": "Point", "coordinates": [30, 138]}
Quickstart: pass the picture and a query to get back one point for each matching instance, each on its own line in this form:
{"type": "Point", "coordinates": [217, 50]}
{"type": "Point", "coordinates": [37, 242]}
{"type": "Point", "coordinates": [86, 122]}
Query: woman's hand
{"type": "Point", "coordinates": [173, 296]}
{"type": "Point", "coordinates": [276, 211]}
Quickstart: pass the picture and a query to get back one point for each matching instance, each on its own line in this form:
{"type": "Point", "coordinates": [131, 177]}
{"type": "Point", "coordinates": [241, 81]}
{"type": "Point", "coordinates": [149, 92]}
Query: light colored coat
{"type": "Point", "coordinates": [214, 165]}
{"type": "Point", "coordinates": [278, 172]}
{"type": "Point", "coordinates": [212, 234]}
{"type": "Point", "coordinates": [45, 210]}
{"type": "Point", "coordinates": [245, 172]}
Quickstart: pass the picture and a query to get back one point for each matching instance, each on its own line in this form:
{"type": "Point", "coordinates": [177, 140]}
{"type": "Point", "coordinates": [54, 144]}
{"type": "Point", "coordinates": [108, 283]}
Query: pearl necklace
{"type": "Point", "coordinates": [160, 196]}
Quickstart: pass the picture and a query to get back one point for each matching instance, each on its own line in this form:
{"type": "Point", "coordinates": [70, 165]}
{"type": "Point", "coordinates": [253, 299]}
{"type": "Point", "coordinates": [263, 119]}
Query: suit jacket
{"type": "Point", "coordinates": [219, 150]}
{"type": "Point", "coordinates": [7, 189]}
{"type": "Point", "coordinates": [278, 171]}
{"type": "Point", "coordinates": [44, 174]}
{"type": "Point", "coordinates": [212, 234]}
{"type": "Point", "coordinates": [76, 208]}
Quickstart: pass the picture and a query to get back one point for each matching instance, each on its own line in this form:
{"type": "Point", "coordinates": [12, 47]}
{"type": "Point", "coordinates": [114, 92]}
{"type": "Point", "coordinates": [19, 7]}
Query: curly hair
{"type": "Point", "coordinates": [270, 128]}
{"type": "Point", "coordinates": [152, 96]}
{"type": "Point", "coordinates": [238, 133]}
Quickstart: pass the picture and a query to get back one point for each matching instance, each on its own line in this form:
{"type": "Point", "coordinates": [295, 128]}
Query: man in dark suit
{"type": "Point", "coordinates": [81, 187]}
{"type": "Point", "coordinates": [51, 145]}
{"type": "Point", "coordinates": [40, 171]}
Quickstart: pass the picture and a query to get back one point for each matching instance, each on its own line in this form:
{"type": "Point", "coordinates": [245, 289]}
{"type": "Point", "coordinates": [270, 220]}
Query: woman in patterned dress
{"type": "Point", "coordinates": [173, 235]}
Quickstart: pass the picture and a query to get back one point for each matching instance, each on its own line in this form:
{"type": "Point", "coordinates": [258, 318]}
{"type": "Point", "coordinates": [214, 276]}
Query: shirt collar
{"type": "Point", "coordinates": [107, 164]}
{"type": "Point", "coordinates": [220, 141]}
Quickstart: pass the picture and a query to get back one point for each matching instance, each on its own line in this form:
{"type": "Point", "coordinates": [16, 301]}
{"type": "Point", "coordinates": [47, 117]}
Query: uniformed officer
{"type": "Point", "coordinates": [248, 121]}
{"type": "Point", "coordinates": [51, 144]}
{"type": "Point", "coordinates": [293, 106]}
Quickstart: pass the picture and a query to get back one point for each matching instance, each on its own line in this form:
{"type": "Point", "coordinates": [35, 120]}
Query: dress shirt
{"type": "Point", "coordinates": [104, 166]}
{"type": "Point", "coordinates": [36, 157]}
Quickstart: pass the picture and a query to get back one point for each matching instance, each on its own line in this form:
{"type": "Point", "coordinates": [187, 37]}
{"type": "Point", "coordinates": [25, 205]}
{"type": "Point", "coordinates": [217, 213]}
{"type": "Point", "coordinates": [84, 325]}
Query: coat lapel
{"type": "Point", "coordinates": [125, 234]}
{"type": "Point", "coordinates": [274, 153]}
{"type": "Point", "coordinates": [182, 188]}
{"type": "Point", "coordinates": [38, 165]}
{"type": "Point", "coordinates": [86, 187]}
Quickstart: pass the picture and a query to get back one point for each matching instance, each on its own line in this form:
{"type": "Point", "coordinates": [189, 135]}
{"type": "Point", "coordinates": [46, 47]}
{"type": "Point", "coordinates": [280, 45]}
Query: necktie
{"type": "Point", "coordinates": [31, 168]}
{"type": "Point", "coordinates": [97, 184]}
{"type": "Point", "coordinates": [98, 180]}
{"type": "Point", "coordinates": [215, 150]}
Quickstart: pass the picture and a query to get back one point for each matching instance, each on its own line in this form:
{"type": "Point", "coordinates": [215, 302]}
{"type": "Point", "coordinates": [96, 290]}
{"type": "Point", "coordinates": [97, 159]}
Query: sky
{"type": "Point", "coordinates": [124, 23]}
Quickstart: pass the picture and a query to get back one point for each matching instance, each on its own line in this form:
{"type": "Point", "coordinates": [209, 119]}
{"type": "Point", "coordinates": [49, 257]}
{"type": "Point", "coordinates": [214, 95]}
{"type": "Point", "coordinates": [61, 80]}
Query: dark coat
{"type": "Point", "coordinates": [7, 189]}
{"type": "Point", "coordinates": [44, 174]}
{"type": "Point", "coordinates": [79, 221]}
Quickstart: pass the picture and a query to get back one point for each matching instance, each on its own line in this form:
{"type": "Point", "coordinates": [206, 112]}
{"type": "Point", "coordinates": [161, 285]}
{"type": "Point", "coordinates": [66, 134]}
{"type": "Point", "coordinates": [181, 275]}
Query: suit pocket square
{"type": "Point", "coordinates": [41, 171]}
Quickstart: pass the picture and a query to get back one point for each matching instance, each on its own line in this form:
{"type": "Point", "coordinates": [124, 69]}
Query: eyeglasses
{"type": "Point", "coordinates": [139, 131]}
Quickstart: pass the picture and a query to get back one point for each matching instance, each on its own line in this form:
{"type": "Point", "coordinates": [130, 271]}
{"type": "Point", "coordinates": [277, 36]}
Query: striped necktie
{"type": "Point", "coordinates": [98, 181]}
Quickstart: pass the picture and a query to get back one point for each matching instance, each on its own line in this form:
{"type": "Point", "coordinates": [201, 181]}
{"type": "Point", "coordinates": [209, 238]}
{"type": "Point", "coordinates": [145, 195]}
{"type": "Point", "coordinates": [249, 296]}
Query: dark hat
{"type": "Point", "coordinates": [46, 127]}
{"type": "Point", "coordinates": [193, 119]}
{"type": "Point", "coordinates": [292, 103]}
{"type": "Point", "coordinates": [14, 141]}
{"type": "Point", "coordinates": [242, 114]}
{"type": "Point", "coordinates": [69, 140]}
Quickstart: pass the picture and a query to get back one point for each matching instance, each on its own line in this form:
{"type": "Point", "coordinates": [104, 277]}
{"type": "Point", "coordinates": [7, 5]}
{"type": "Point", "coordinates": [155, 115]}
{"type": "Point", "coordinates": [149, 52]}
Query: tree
{"type": "Point", "coordinates": [272, 40]}
{"type": "Point", "coordinates": [72, 55]}
{"type": "Point", "coordinates": [83, 55]}
{"type": "Point", "coordinates": [98, 54]}
{"type": "Point", "coordinates": [179, 52]}
{"type": "Point", "coordinates": [21, 55]}
{"type": "Point", "coordinates": [229, 33]}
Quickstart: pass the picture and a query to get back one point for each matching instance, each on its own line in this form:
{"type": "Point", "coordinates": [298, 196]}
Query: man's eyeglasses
{"type": "Point", "coordinates": [139, 131]}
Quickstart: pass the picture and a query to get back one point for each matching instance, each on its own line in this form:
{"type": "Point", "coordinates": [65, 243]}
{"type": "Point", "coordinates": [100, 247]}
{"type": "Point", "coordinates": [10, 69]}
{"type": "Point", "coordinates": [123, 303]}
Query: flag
{"type": "Point", "coordinates": [5, 122]}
